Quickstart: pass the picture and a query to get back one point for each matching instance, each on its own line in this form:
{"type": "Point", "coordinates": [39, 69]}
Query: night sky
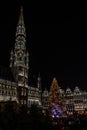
{"type": "Point", "coordinates": [56, 40]}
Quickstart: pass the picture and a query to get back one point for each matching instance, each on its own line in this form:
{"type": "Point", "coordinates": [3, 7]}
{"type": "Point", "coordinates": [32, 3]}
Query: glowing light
{"type": "Point", "coordinates": [56, 111]}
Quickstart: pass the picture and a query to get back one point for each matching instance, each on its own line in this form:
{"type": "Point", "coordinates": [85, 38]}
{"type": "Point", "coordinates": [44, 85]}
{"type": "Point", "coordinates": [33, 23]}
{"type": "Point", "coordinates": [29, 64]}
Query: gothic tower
{"type": "Point", "coordinates": [19, 60]}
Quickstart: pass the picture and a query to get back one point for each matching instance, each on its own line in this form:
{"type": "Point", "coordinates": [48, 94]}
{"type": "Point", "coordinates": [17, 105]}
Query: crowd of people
{"type": "Point", "coordinates": [34, 118]}
{"type": "Point", "coordinates": [74, 122]}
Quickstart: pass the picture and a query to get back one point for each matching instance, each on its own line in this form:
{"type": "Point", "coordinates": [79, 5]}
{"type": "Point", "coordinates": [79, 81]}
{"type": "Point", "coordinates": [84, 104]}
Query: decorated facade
{"type": "Point", "coordinates": [14, 81]}
{"type": "Point", "coordinates": [71, 100]}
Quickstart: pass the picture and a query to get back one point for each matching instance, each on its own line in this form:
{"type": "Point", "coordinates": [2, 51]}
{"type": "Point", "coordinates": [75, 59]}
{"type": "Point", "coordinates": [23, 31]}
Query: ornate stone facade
{"type": "Point", "coordinates": [73, 101]}
{"type": "Point", "coordinates": [16, 88]}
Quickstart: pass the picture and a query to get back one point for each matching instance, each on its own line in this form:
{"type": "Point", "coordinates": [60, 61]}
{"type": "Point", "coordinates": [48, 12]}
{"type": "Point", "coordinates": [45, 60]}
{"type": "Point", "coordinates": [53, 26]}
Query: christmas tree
{"type": "Point", "coordinates": [55, 99]}
{"type": "Point", "coordinates": [54, 94]}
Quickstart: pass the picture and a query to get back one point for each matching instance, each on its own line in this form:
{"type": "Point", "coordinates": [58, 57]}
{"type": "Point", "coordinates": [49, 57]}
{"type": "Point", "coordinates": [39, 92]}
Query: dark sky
{"type": "Point", "coordinates": [56, 40]}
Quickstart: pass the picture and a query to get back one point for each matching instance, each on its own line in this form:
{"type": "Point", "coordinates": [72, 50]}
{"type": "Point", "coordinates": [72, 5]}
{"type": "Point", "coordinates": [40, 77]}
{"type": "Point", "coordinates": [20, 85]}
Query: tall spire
{"type": "Point", "coordinates": [19, 60]}
{"type": "Point", "coordinates": [20, 30]}
{"type": "Point", "coordinates": [21, 18]}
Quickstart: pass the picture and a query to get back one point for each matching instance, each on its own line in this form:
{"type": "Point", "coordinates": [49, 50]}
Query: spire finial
{"type": "Point", "coordinates": [21, 19]}
{"type": "Point", "coordinates": [21, 9]}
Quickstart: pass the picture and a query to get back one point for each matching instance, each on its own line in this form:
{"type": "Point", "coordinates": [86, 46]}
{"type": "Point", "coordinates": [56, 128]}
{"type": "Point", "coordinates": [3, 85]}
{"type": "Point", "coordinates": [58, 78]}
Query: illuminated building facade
{"type": "Point", "coordinates": [72, 101]}
{"type": "Point", "coordinates": [14, 81]}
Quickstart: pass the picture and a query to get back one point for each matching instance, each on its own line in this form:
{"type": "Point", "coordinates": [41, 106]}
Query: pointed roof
{"type": "Point", "coordinates": [20, 29]}
{"type": "Point", "coordinates": [21, 18]}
